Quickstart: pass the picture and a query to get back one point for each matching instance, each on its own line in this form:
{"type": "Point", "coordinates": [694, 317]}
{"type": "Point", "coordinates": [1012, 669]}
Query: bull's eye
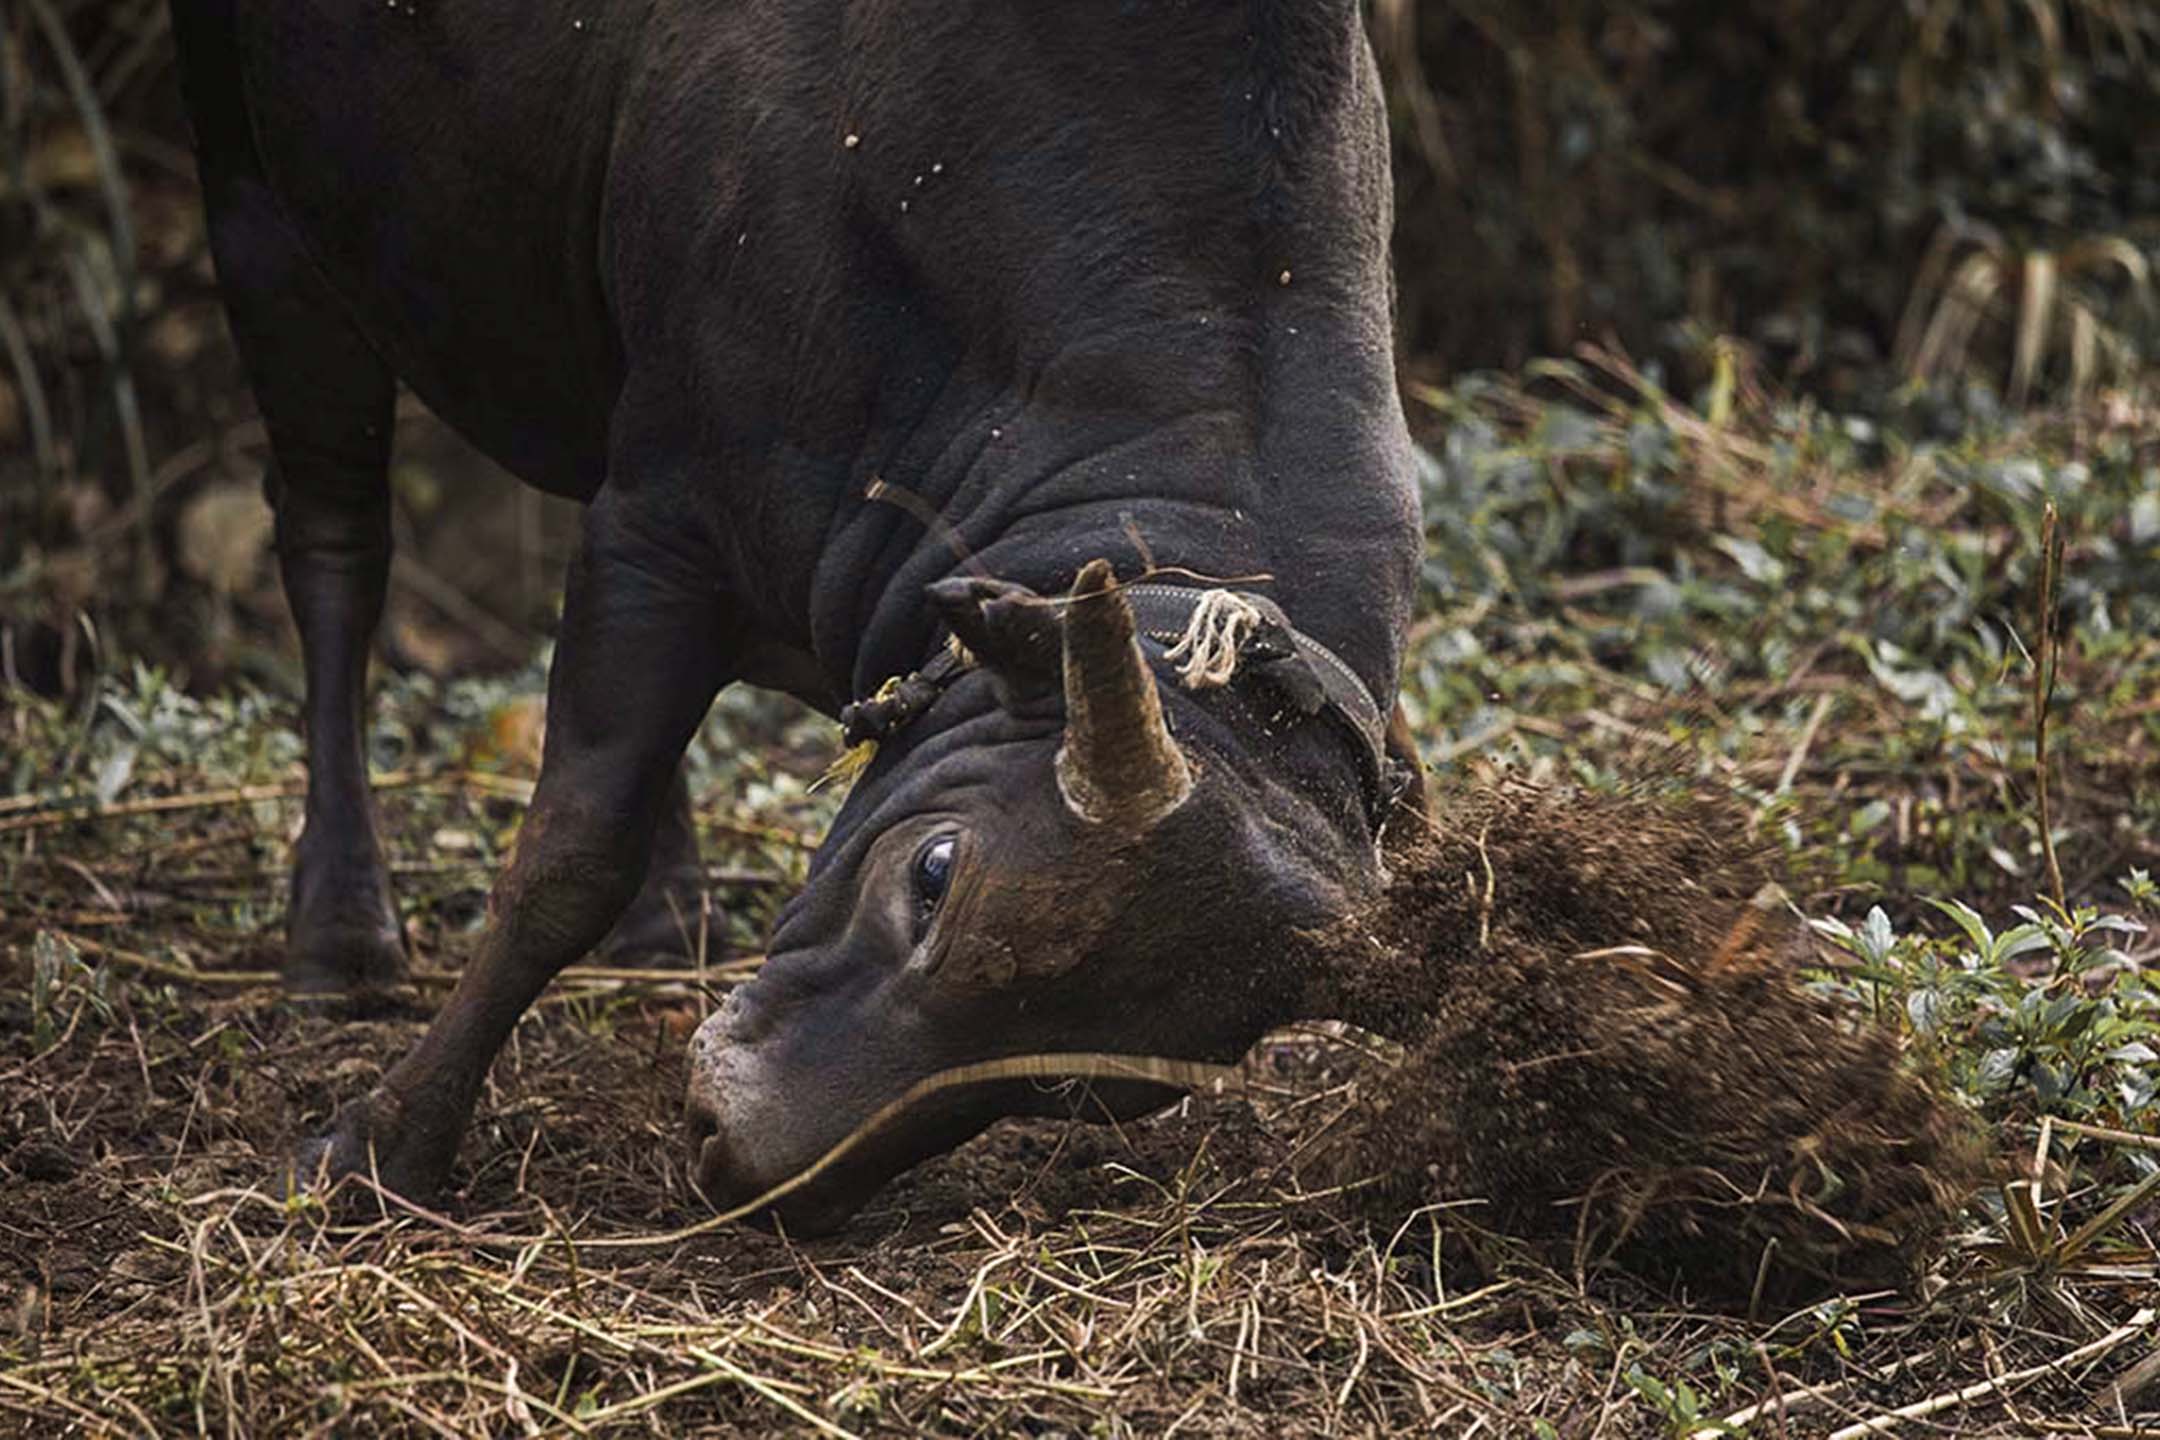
{"type": "Point", "coordinates": [933, 875]}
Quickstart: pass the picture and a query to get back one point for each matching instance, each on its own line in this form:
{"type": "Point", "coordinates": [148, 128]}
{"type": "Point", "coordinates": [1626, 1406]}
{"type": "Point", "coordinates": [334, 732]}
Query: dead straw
{"type": "Point", "coordinates": [2043, 695]}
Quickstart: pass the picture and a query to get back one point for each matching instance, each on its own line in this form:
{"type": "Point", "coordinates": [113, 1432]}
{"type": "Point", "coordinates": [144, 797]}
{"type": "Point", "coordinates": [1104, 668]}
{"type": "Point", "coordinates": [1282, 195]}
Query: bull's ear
{"type": "Point", "coordinates": [1119, 764]}
{"type": "Point", "coordinates": [1009, 629]}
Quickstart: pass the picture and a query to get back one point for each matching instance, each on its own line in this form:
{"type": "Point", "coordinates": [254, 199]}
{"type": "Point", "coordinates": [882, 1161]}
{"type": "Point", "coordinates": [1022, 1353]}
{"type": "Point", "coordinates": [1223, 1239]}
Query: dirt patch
{"type": "Point", "coordinates": [1608, 1041]}
{"type": "Point", "coordinates": [128, 1131]}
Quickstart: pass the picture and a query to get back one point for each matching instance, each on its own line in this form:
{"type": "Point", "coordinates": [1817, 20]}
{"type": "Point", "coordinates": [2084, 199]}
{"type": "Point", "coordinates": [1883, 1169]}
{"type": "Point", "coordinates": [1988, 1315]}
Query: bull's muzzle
{"type": "Point", "coordinates": [722, 1069]}
{"type": "Point", "coordinates": [737, 1125]}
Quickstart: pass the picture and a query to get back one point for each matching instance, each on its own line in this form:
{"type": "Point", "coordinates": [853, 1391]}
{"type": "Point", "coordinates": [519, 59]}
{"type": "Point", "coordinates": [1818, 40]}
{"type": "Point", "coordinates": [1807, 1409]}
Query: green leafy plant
{"type": "Point", "coordinates": [63, 988]}
{"type": "Point", "coordinates": [1678, 1406]}
{"type": "Point", "coordinates": [2044, 1016]}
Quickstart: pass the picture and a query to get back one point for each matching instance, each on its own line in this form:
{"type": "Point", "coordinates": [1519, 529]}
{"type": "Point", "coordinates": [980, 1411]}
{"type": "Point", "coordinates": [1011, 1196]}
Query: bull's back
{"type": "Point", "coordinates": [442, 162]}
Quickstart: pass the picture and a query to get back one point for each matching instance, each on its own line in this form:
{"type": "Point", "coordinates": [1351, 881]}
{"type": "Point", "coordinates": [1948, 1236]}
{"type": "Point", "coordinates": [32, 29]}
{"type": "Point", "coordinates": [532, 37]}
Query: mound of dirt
{"type": "Point", "coordinates": [1607, 1040]}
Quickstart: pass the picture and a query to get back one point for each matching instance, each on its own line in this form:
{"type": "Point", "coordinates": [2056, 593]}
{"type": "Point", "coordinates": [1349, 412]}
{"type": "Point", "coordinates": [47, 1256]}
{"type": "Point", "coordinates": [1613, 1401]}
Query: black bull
{"type": "Point", "coordinates": [1092, 280]}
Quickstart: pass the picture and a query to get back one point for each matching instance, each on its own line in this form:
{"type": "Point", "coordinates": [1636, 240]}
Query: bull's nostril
{"type": "Point", "coordinates": [700, 1125]}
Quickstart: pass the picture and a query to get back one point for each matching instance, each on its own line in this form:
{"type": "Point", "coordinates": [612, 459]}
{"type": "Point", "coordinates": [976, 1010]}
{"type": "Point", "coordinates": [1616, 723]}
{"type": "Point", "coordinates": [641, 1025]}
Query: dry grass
{"type": "Point", "coordinates": [1172, 1276]}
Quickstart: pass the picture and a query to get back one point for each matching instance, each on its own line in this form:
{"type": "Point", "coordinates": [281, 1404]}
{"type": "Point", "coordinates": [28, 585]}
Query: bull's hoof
{"type": "Point", "coordinates": [361, 1141]}
{"type": "Point", "coordinates": [320, 1161]}
{"type": "Point", "coordinates": [343, 937]}
{"type": "Point", "coordinates": [341, 962]}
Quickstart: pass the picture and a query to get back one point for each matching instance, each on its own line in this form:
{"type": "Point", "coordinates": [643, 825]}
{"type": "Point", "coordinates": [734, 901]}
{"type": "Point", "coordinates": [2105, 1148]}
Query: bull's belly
{"type": "Point", "coordinates": [442, 164]}
{"type": "Point", "coordinates": [549, 435]}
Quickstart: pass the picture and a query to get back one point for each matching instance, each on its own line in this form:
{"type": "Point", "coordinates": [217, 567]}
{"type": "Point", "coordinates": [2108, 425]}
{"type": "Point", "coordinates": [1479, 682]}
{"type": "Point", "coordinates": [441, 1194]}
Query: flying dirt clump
{"type": "Point", "coordinates": [1608, 1042]}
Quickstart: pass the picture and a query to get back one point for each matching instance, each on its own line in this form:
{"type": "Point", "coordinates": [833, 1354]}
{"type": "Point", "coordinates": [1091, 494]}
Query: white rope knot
{"type": "Point", "coordinates": [1206, 655]}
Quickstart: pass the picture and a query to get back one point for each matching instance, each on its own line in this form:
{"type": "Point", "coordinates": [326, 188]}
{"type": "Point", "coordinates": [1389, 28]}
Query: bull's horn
{"type": "Point", "coordinates": [1118, 763]}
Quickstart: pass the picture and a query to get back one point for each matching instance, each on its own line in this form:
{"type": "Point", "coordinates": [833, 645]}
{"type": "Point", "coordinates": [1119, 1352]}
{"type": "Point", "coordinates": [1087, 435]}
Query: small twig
{"type": "Point", "coordinates": [1997, 1385]}
{"type": "Point", "coordinates": [35, 408]}
{"type": "Point", "coordinates": [928, 517]}
{"type": "Point", "coordinates": [722, 1369]}
{"type": "Point", "coordinates": [1762, 1278]}
{"type": "Point", "coordinates": [1806, 742]}
{"type": "Point", "coordinates": [1777, 1387]}
{"type": "Point", "coordinates": [505, 639]}
{"type": "Point", "coordinates": [1485, 901]}
{"type": "Point", "coordinates": [47, 810]}
{"type": "Point", "coordinates": [1456, 749]}
{"type": "Point", "coordinates": [53, 1398]}
{"type": "Point", "coordinates": [2043, 695]}
{"type": "Point", "coordinates": [1459, 1302]}
{"type": "Point", "coordinates": [718, 876]}
{"type": "Point", "coordinates": [590, 976]}
{"type": "Point", "coordinates": [2078, 1243]}
{"type": "Point", "coordinates": [1810, 1396]}
{"type": "Point", "coordinates": [2127, 1387]}
{"type": "Point", "coordinates": [2115, 1137]}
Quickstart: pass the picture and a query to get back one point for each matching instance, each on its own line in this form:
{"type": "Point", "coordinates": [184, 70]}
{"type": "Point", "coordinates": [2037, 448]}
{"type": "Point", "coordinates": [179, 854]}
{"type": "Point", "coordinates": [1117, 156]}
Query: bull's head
{"type": "Point", "coordinates": [1035, 865]}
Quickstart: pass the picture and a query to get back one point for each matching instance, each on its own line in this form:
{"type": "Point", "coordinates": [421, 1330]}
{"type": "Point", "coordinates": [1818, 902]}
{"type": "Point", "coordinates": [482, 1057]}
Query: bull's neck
{"type": "Point", "coordinates": [1183, 458]}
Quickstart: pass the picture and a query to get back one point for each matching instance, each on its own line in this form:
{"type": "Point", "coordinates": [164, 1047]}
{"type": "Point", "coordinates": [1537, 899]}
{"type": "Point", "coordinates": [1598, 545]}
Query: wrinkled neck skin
{"type": "Point", "coordinates": [1028, 483]}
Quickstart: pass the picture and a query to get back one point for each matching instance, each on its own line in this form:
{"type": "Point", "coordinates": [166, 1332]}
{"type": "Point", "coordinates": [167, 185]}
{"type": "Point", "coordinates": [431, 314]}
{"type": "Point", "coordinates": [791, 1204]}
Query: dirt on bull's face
{"type": "Point", "coordinates": [1609, 1043]}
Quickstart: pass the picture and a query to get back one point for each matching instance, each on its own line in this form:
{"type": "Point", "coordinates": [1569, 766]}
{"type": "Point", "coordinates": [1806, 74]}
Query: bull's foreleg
{"type": "Point", "coordinates": [643, 649]}
{"type": "Point", "coordinates": [326, 400]}
{"type": "Point", "coordinates": [342, 933]}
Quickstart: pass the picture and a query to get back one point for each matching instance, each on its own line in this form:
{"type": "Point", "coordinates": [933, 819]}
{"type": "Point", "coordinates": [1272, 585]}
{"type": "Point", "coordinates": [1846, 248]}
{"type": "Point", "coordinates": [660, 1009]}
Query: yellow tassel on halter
{"type": "Point", "coordinates": [847, 767]}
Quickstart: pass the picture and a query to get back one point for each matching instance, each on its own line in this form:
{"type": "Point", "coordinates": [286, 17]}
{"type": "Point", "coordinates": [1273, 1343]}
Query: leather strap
{"type": "Point", "coordinates": [899, 700]}
{"type": "Point", "coordinates": [1288, 656]}
{"type": "Point", "coordinates": [1311, 677]}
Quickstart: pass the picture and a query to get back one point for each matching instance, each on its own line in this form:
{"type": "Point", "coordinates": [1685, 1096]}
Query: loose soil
{"type": "Point", "coordinates": [1609, 1040]}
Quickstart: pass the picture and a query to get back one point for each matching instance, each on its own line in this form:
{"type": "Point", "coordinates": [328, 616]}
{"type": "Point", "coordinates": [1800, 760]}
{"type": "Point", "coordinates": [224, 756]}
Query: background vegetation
{"type": "Point", "coordinates": [1750, 348]}
{"type": "Point", "coordinates": [1868, 192]}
